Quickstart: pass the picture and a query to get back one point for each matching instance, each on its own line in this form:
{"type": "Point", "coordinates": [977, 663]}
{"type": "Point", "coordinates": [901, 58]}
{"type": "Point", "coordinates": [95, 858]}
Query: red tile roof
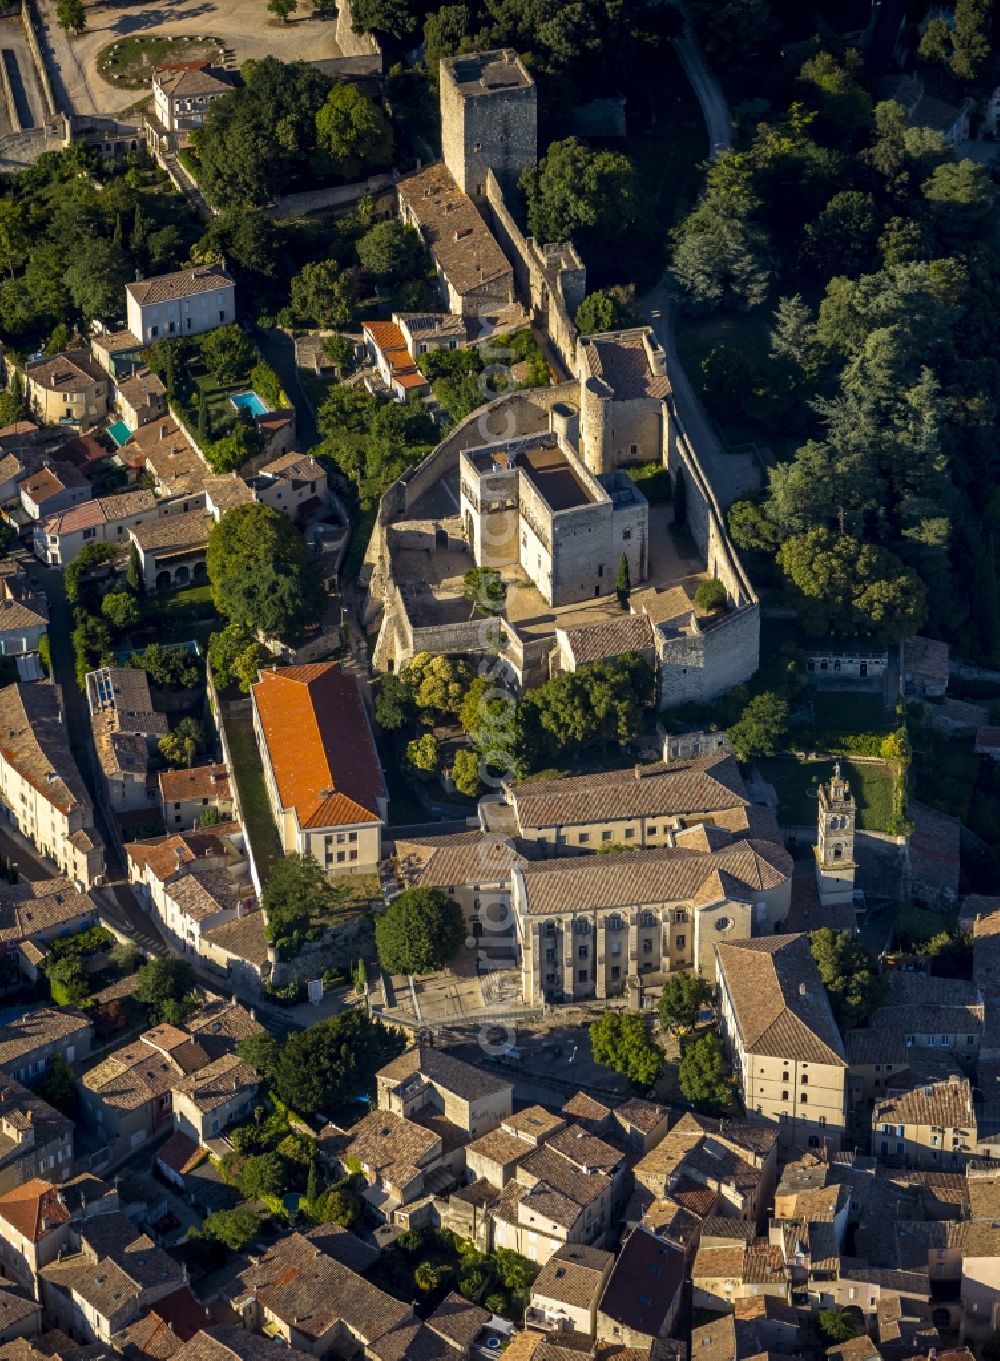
{"type": "Point", "coordinates": [320, 745]}
{"type": "Point", "coordinates": [389, 339]}
{"type": "Point", "coordinates": [33, 1209]}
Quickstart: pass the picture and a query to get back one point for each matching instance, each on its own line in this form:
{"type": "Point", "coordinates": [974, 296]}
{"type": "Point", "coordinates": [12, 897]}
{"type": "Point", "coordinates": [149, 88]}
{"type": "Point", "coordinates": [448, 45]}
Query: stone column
{"type": "Point", "coordinates": [601, 961]}
{"type": "Point", "coordinates": [569, 945]}
{"type": "Point", "coordinates": [633, 943]}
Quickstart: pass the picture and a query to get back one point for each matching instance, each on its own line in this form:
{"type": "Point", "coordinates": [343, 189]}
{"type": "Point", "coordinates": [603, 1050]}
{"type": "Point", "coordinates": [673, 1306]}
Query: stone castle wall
{"type": "Point", "coordinates": [350, 43]}
{"type": "Point", "coordinates": [539, 280]}
{"type": "Point", "coordinates": [496, 131]}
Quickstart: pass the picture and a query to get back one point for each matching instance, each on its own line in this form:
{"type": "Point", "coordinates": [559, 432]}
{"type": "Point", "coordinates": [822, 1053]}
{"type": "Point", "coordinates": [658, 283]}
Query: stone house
{"type": "Point", "coordinates": [33, 914]}
{"type": "Point", "coordinates": [220, 1094]}
{"type": "Point", "coordinates": [51, 488]}
{"type": "Point", "coordinates": [187, 793]}
{"type": "Point", "coordinates": [566, 1292]}
{"type": "Point", "coordinates": [44, 795]}
{"type": "Point", "coordinates": [239, 948]}
{"type": "Point", "coordinates": [67, 389]}
{"type": "Point", "coordinates": [141, 398]}
{"type": "Point", "coordinates": [28, 1042]}
{"type": "Point", "coordinates": [126, 729]}
{"type": "Point", "coordinates": [36, 1140]}
{"type": "Point", "coordinates": [172, 549]}
{"type": "Point", "coordinates": [292, 483]}
{"type": "Point", "coordinates": [832, 663]}
{"type": "Point", "coordinates": [931, 1126]}
{"type": "Point", "coordinates": [783, 1041]}
{"type": "Point", "coordinates": [642, 1298]}
{"type": "Point", "coordinates": [474, 275]}
{"type": "Point", "coordinates": [425, 332]}
{"type": "Point", "coordinates": [321, 767]}
{"type": "Point", "coordinates": [736, 1159]}
{"type": "Point", "coordinates": [24, 616]}
{"type": "Point", "coordinates": [114, 1275]}
{"type": "Point", "coordinates": [187, 302]}
{"type": "Point", "coordinates": [36, 1219]}
{"type": "Point", "coordinates": [423, 1079]}
{"type": "Point", "coordinates": [183, 92]}
{"type": "Point", "coordinates": [60, 537]}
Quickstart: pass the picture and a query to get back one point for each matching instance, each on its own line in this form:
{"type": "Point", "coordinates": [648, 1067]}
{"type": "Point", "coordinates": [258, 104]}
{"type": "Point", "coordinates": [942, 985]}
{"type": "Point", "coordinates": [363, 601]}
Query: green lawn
{"type": "Point", "coordinates": [128, 62]}
{"type": "Point", "coordinates": [793, 780]}
{"type": "Point", "coordinates": [254, 803]}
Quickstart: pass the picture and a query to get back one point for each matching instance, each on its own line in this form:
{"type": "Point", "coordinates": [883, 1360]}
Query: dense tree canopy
{"type": "Point", "coordinates": [420, 931]}
{"type": "Point", "coordinates": [848, 974]}
{"type": "Point", "coordinates": [333, 1061]}
{"type": "Point", "coordinates": [260, 572]}
{"type": "Point", "coordinates": [576, 192]}
{"type": "Point", "coordinates": [621, 1040]}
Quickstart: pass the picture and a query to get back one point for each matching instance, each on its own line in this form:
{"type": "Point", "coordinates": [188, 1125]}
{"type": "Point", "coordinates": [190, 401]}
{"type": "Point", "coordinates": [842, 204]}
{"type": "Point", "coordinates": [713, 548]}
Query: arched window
{"type": "Point", "coordinates": [582, 926]}
{"type": "Point", "coordinates": [615, 922]}
{"type": "Point", "coordinates": [647, 919]}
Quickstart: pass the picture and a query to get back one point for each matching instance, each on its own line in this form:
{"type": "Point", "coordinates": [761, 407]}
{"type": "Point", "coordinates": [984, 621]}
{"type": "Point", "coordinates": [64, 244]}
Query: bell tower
{"type": "Point", "coordinates": [835, 863]}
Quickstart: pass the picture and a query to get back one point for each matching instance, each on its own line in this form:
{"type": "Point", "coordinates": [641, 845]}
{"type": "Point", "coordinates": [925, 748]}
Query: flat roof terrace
{"type": "Point", "coordinates": [554, 477]}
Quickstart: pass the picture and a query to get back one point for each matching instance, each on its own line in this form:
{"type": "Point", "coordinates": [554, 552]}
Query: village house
{"type": "Point", "coordinates": [321, 768]}
{"type": "Point", "coordinates": [34, 913]}
{"type": "Point", "coordinates": [643, 1295]}
{"type": "Point", "coordinates": [140, 398]}
{"type": "Point", "coordinates": [474, 275]}
{"type": "Point", "coordinates": [424, 1079]}
{"type": "Point", "coordinates": [109, 1277]}
{"type": "Point", "coordinates": [60, 538]}
{"type": "Point", "coordinates": [187, 302]}
{"type": "Point", "coordinates": [735, 1159]}
{"type": "Point", "coordinates": [425, 332]}
{"type": "Point", "coordinates": [29, 1042]}
{"type": "Point", "coordinates": [172, 548]}
{"type": "Point", "coordinates": [119, 353]}
{"type": "Point", "coordinates": [388, 351]}
{"type": "Point", "coordinates": [126, 730]}
{"type": "Point", "coordinates": [785, 1047]}
{"type": "Point", "coordinates": [220, 1094]}
{"type": "Point", "coordinates": [43, 792]}
{"type": "Point", "coordinates": [164, 1328]}
{"type": "Point", "coordinates": [67, 389]}
{"type": "Point", "coordinates": [189, 793]}
{"type": "Point", "coordinates": [24, 616]}
{"type": "Point", "coordinates": [293, 483]}
{"type": "Point", "coordinates": [164, 451]}
{"type": "Point", "coordinates": [931, 1126]}
{"type": "Point", "coordinates": [240, 950]}
{"type": "Point", "coordinates": [51, 488]}
{"type": "Point", "coordinates": [566, 1292]}
{"type": "Point", "coordinates": [36, 1220]}
{"type": "Point", "coordinates": [36, 1140]}
{"type": "Point", "coordinates": [183, 92]}
{"type": "Point", "coordinates": [402, 1160]}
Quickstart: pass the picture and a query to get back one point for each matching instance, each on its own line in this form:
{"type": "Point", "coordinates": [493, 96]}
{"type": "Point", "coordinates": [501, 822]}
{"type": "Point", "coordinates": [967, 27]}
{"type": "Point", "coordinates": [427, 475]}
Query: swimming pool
{"type": "Point", "coordinates": [249, 401]}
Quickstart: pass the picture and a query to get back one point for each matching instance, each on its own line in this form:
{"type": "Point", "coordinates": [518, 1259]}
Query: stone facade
{"type": "Point", "coordinates": [489, 120]}
{"type": "Point", "coordinates": [834, 849]}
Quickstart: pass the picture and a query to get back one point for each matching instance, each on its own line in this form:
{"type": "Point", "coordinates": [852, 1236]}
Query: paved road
{"type": "Point", "coordinates": [707, 90]}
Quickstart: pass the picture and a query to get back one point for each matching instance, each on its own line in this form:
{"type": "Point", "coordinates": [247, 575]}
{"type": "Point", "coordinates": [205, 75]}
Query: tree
{"type": "Point", "coordinates": [838, 1325]}
{"type": "Point", "coordinates": [577, 192]}
{"type": "Point", "coordinates": [261, 1052]}
{"type": "Point", "coordinates": [710, 596]}
{"type": "Point", "coordinates": [703, 1074]}
{"type": "Point", "coordinates": [961, 198]}
{"type": "Point", "coordinates": [420, 931]}
{"type": "Point", "coordinates": [262, 1176]}
{"type": "Point", "coordinates": [228, 353]}
{"type": "Point", "coordinates": [68, 982]}
{"type": "Point", "coordinates": [427, 1276]}
{"type": "Point", "coordinates": [623, 581]}
{"type": "Point", "coordinates": [234, 1229]}
{"type": "Point", "coordinates": [353, 131]}
{"type": "Point", "coordinates": [72, 16]}
{"type": "Point", "coordinates": [392, 252]}
{"type": "Point", "coordinates": [971, 38]}
{"type": "Point", "coordinates": [161, 982]}
{"type": "Point", "coordinates": [297, 892]}
{"type": "Point", "coordinates": [320, 294]}
{"type": "Point", "coordinates": [120, 609]}
{"type": "Point", "coordinates": [841, 240]}
{"type": "Point", "coordinates": [620, 1040]}
{"type": "Point", "coordinates": [423, 755]}
{"type": "Point", "coordinates": [333, 1061]}
{"type": "Point", "coordinates": [283, 8]}
{"type": "Point", "coordinates": [727, 381]}
{"type": "Point", "coordinates": [182, 745]}
{"type": "Point", "coordinates": [260, 572]}
{"type": "Point", "coordinates": [720, 251]}
{"type": "Point", "coordinates": [84, 567]}
{"type": "Point", "coordinates": [95, 277]}
{"type": "Point", "coordinates": [133, 574]}
{"type": "Point", "coordinates": [761, 726]}
{"type": "Point", "coordinates": [58, 1087]}
{"type": "Point", "coordinates": [608, 309]}
{"type": "Point", "coordinates": [393, 703]}
{"type": "Point", "coordinates": [683, 998]}
{"type": "Point", "coordinates": [340, 1206]}
{"type": "Point", "coordinates": [170, 668]}
{"type": "Point", "coordinates": [484, 588]}
{"type": "Point", "coordinates": [848, 974]}
{"type": "Point", "coordinates": [236, 657]}
{"type": "Point", "coordinates": [936, 44]}
{"type": "Point", "coordinates": [465, 772]}
{"type": "Point", "coordinates": [850, 586]}
{"type": "Point", "coordinates": [437, 684]}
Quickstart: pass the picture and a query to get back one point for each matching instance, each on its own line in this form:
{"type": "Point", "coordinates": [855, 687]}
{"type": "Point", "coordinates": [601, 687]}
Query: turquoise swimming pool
{"type": "Point", "coordinates": [249, 401]}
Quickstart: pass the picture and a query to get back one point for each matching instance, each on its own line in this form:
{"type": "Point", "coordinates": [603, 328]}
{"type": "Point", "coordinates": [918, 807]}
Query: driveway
{"type": "Point", "coordinates": [244, 27]}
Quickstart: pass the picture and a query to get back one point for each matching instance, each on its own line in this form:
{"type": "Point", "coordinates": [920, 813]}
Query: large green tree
{"type": "Point", "coordinates": [576, 191]}
{"type": "Point", "coordinates": [621, 1040]}
{"type": "Point", "coordinates": [703, 1073]}
{"type": "Point", "coordinates": [353, 131]}
{"type": "Point", "coordinates": [334, 1061]}
{"type": "Point", "coordinates": [260, 572]}
{"type": "Point", "coordinates": [760, 727]}
{"type": "Point", "coordinates": [848, 973]}
{"type": "Point", "coordinates": [683, 998]}
{"type": "Point", "coordinates": [297, 891]}
{"type": "Point", "coordinates": [164, 985]}
{"type": "Point", "coordinates": [420, 931]}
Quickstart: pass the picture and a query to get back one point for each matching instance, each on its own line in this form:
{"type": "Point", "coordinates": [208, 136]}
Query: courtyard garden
{"type": "Point", "coordinates": [129, 62]}
{"type": "Point", "coordinates": [796, 783]}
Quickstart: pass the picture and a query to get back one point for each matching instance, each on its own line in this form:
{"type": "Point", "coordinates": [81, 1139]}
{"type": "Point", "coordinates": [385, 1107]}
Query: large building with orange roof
{"type": "Point", "coordinates": [321, 767]}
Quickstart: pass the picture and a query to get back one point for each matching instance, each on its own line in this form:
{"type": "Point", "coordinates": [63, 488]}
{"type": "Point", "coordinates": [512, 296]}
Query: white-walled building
{"type": "Point", "coordinates": [185, 303]}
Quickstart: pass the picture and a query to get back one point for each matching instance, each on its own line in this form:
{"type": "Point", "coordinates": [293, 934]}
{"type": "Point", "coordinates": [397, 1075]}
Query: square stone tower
{"type": "Point", "coordinates": [835, 863]}
{"type": "Point", "coordinates": [489, 120]}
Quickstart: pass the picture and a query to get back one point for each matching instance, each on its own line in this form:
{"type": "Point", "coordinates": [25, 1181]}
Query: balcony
{"type": "Point", "coordinates": [545, 1323]}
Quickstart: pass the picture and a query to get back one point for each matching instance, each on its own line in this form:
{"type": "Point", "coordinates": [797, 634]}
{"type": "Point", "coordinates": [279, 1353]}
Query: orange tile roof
{"type": "Point", "coordinates": [320, 745]}
{"type": "Point", "coordinates": [33, 1209]}
{"type": "Point", "coordinates": [389, 339]}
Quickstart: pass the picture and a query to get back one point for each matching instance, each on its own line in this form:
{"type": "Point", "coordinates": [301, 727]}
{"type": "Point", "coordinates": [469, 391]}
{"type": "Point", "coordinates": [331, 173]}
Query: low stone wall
{"type": "Point", "coordinates": [340, 196]}
{"type": "Point", "coordinates": [32, 27]}
{"type": "Point", "coordinates": [341, 947]}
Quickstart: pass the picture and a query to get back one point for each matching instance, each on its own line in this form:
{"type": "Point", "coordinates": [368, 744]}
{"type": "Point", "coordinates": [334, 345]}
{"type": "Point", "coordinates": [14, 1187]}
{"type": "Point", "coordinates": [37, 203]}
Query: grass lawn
{"type": "Point", "coordinates": [190, 602]}
{"type": "Point", "coordinates": [128, 62]}
{"type": "Point", "coordinates": [839, 712]}
{"type": "Point", "coordinates": [793, 780]}
{"type": "Point", "coordinates": [653, 481]}
{"type": "Point", "coordinates": [253, 795]}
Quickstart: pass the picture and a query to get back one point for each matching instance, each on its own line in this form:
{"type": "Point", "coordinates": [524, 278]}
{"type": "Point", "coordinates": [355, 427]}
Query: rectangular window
{"type": "Point", "coordinates": [581, 951]}
{"type": "Point", "coordinates": [583, 838]}
{"type": "Point", "coordinates": [605, 836]}
{"type": "Point", "coordinates": [582, 975]}
{"type": "Point", "coordinates": [680, 941]}
{"type": "Point", "coordinates": [629, 833]}
{"type": "Point", "coordinates": [616, 973]}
